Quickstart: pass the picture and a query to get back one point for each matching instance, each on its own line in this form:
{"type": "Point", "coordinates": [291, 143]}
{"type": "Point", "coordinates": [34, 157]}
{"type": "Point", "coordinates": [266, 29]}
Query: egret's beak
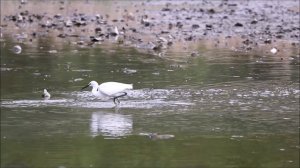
{"type": "Point", "coordinates": [85, 87]}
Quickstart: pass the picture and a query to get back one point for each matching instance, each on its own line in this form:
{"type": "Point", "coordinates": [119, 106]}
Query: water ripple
{"type": "Point", "coordinates": [136, 99]}
{"type": "Point", "coordinates": [239, 99]}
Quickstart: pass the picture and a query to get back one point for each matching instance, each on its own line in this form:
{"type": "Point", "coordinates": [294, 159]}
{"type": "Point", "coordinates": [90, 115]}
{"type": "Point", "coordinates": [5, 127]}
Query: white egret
{"type": "Point", "coordinates": [113, 90]}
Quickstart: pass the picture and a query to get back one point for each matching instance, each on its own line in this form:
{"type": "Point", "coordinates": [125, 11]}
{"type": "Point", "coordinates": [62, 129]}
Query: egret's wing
{"type": "Point", "coordinates": [112, 88]}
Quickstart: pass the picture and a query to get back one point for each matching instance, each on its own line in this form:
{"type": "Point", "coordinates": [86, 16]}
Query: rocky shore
{"type": "Point", "coordinates": [156, 26]}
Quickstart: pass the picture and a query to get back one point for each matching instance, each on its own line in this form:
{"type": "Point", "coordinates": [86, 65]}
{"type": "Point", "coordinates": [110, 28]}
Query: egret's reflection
{"type": "Point", "coordinates": [110, 124]}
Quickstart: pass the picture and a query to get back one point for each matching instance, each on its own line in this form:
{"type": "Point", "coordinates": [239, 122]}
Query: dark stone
{"type": "Point", "coordinates": [39, 17]}
{"type": "Point", "coordinates": [232, 4]}
{"type": "Point", "coordinates": [158, 47]}
{"type": "Point", "coordinates": [287, 30]}
{"type": "Point", "coordinates": [133, 30]}
{"type": "Point", "coordinates": [279, 36]}
{"type": "Point", "coordinates": [209, 27]}
{"type": "Point", "coordinates": [179, 25]}
{"type": "Point", "coordinates": [195, 26]}
{"type": "Point", "coordinates": [268, 41]}
{"type": "Point", "coordinates": [249, 48]}
{"type": "Point", "coordinates": [190, 38]}
{"type": "Point", "coordinates": [95, 39]}
{"type": "Point", "coordinates": [170, 26]}
{"type": "Point", "coordinates": [98, 29]}
{"type": "Point", "coordinates": [14, 18]}
{"type": "Point", "coordinates": [238, 24]}
{"type": "Point", "coordinates": [74, 35]}
{"type": "Point", "coordinates": [62, 35]}
{"type": "Point", "coordinates": [166, 9]}
{"type": "Point", "coordinates": [79, 23]}
{"type": "Point", "coordinates": [211, 11]}
{"type": "Point", "coordinates": [247, 42]}
{"type": "Point", "coordinates": [57, 16]}
{"type": "Point", "coordinates": [25, 13]}
{"type": "Point", "coordinates": [254, 22]}
{"type": "Point", "coordinates": [113, 34]}
{"type": "Point", "coordinates": [30, 20]}
{"type": "Point", "coordinates": [146, 24]}
{"type": "Point", "coordinates": [194, 54]}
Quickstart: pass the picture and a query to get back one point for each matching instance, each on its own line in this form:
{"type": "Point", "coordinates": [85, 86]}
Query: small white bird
{"type": "Point", "coordinates": [46, 94]}
{"type": "Point", "coordinates": [113, 90]}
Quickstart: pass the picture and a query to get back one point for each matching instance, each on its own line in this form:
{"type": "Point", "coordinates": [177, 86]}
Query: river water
{"type": "Point", "coordinates": [221, 108]}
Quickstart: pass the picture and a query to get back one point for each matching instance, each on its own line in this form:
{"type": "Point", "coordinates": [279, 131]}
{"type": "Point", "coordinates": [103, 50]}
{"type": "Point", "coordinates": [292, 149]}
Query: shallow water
{"type": "Point", "coordinates": [224, 108]}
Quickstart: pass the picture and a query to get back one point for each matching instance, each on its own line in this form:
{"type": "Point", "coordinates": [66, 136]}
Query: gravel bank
{"type": "Point", "coordinates": [156, 26]}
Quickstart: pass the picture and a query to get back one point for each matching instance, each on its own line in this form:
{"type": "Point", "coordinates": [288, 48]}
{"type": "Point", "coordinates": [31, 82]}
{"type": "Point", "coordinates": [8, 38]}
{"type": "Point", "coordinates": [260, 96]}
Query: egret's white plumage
{"type": "Point", "coordinates": [109, 89]}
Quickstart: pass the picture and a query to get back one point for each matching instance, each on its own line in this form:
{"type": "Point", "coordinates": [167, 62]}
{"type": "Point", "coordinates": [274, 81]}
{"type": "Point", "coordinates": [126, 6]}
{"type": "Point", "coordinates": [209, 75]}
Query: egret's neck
{"type": "Point", "coordinates": [94, 88]}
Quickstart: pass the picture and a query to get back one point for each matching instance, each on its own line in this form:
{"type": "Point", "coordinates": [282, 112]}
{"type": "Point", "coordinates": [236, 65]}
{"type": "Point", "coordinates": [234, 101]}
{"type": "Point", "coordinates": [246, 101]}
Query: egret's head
{"type": "Point", "coordinates": [92, 84]}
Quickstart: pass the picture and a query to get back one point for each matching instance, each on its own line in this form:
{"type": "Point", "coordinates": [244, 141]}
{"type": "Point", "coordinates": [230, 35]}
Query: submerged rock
{"type": "Point", "coordinates": [129, 71]}
{"type": "Point", "coordinates": [46, 94]}
{"type": "Point", "coordinates": [17, 49]}
{"type": "Point", "coordinates": [52, 51]}
{"type": "Point", "coordinates": [155, 136]}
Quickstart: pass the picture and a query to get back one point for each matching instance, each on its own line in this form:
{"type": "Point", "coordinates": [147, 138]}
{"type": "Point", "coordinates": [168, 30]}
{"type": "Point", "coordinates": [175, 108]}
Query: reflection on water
{"type": "Point", "coordinates": [110, 124]}
{"type": "Point", "coordinates": [238, 95]}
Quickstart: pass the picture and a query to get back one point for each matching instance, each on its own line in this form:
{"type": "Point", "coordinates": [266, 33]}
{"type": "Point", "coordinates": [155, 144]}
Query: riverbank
{"type": "Point", "coordinates": [156, 27]}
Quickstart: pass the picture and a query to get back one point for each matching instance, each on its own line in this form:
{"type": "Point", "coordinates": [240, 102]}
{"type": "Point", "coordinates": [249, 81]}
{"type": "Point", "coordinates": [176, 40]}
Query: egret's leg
{"type": "Point", "coordinates": [116, 101]}
{"type": "Point", "coordinates": [116, 98]}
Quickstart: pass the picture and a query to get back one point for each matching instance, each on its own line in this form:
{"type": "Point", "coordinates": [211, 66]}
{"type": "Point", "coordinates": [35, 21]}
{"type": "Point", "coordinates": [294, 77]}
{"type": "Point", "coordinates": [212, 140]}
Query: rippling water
{"type": "Point", "coordinates": [220, 109]}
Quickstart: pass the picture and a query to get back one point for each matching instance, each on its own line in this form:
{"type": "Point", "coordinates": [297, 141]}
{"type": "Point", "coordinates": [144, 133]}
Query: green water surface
{"type": "Point", "coordinates": [224, 108]}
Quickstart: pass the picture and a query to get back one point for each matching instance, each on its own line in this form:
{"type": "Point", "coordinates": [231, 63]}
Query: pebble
{"type": "Point", "coordinates": [194, 54]}
{"type": "Point", "coordinates": [78, 79]}
{"type": "Point", "coordinates": [274, 50]}
{"type": "Point", "coordinates": [52, 51]}
{"type": "Point", "coordinates": [129, 71]}
{"type": "Point", "coordinates": [155, 136]}
{"type": "Point", "coordinates": [17, 49]}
